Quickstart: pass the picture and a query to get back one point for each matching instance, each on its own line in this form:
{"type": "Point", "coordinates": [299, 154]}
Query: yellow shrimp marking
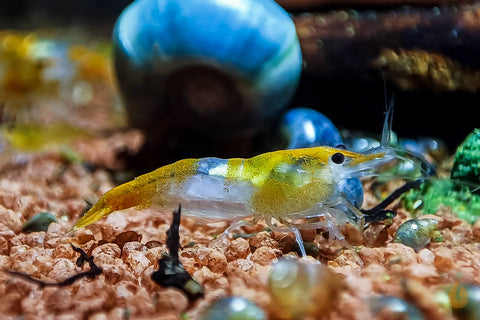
{"type": "Point", "coordinates": [278, 193]}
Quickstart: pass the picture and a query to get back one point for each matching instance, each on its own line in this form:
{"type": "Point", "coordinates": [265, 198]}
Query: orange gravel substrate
{"type": "Point", "coordinates": [127, 246]}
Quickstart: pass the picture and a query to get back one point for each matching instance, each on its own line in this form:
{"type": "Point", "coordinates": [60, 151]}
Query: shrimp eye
{"type": "Point", "coordinates": [338, 158]}
{"type": "Point", "coordinates": [341, 146]}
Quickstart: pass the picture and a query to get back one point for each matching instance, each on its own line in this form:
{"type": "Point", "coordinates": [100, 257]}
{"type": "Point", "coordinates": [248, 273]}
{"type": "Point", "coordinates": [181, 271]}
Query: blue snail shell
{"type": "Point", "coordinates": [225, 66]}
{"type": "Point", "coordinates": [305, 128]}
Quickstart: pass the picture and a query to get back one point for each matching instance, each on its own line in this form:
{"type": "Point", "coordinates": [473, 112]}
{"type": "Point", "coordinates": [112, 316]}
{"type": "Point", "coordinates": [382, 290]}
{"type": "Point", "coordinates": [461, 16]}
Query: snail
{"type": "Point", "coordinates": [231, 308]}
{"type": "Point", "coordinates": [464, 299]}
{"type": "Point", "coordinates": [388, 307]}
{"type": "Point", "coordinates": [417, 233]}
{"type": "Point", "coordinates": [190, 71]}
{"type": "Point", "coordinates": [299, 289]}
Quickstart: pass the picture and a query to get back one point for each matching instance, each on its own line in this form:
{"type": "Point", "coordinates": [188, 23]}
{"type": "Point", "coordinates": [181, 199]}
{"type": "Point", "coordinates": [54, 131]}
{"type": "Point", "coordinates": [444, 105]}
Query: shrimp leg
{"type": "Point", "coordinates": [331, 225]}
{"type": "Point", "coordinates": [296, 232]}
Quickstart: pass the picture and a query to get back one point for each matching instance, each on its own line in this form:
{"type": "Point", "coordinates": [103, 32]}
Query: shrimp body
{"type": "Point", "coordinates": [279, 184]}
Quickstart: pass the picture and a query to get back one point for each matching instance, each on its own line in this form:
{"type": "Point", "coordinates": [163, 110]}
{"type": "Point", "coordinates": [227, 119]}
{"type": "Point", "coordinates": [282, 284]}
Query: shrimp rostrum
{"type": "Point", "coordinates": [286, 185]}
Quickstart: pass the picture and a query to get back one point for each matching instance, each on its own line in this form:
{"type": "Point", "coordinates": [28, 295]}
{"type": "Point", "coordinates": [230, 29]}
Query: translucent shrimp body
{"type": "Point", "coordinates": [284, 184]}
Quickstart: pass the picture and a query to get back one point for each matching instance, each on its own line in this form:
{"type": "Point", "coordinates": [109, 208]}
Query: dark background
{"type": "Point", "coordinates": [26, 14]}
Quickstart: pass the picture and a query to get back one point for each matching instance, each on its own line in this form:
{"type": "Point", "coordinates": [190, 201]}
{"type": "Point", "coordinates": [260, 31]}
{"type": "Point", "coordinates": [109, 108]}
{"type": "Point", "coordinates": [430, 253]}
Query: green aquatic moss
{"type": "Point", "coordinates": [445, 192]}
{"type": "Point", "coordinates": [466, 165]}
{"type": "Point", "coordinates": [461, 192]}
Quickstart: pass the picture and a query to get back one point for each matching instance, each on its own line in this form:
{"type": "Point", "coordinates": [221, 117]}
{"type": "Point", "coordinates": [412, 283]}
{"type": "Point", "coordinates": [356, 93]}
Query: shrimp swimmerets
{"type": "Point", "coordinates": [286, 185]}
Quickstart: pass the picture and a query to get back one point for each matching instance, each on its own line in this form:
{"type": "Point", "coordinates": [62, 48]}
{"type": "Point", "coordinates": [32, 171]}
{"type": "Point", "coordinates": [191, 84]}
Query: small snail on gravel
{"type": "Point", "coordinates": [299, 289]}
{"type": "Point", "coordinates": [393, 307]}
{"type": "Point", "coordinates": [417, 233]}
{"type": "Point", "coordinates": [233, 308]}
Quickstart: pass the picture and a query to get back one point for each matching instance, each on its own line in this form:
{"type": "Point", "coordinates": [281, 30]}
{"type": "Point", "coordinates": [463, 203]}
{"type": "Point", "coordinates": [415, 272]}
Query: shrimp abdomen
{"type": "Point", "coordinates": [142, 192]}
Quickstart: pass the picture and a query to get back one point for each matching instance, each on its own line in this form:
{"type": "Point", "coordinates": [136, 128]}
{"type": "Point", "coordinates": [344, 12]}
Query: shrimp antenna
{"type": "Point", "coordinates": [387, 124]}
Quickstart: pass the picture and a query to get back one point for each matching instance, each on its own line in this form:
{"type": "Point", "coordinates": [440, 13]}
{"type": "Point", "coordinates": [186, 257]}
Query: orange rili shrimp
{"type": "Point", "coordinates": [286, 185]}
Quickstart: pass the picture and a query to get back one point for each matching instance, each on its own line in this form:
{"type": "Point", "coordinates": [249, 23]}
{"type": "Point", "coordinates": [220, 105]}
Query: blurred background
{"type": "Point", "coordinates": [31, 14]}
{"type": "Point", "coordinates": [340, 82]}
